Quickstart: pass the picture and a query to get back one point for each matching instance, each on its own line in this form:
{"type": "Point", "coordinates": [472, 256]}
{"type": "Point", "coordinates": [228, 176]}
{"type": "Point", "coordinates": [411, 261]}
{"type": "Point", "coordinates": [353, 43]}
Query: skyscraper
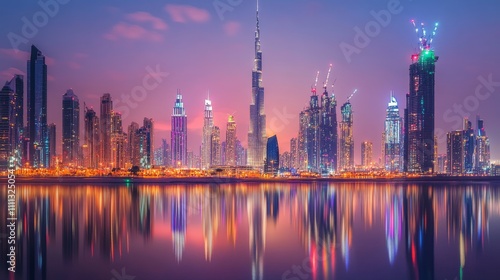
{"type": "Point", "coordinates": [52, 144]}
{"type": "Point", "coordinates": [328, 132]}
{"type": "Point", "coordinates": [5, 145]}
{"type": "Point", "coordinates": [70, 128]}
{"type": "Point", "coordinates": [165, 151]}
{"type": "Point", "coordinates": [39, 154]}
{"type": "Point", "coordinates": [346, 141]}
{"type": "Point", "coordinates": [469, 147]}
{"type": "Point", "coordinates": [482, 152]}
{"type": "Point", "coordinates": [231, 142]}
{"type": "Point", "coordinates": [215, 149]}
{"type": "Point", "coordinates": [366, 154]}
{"type": "Point", "coordinates": [392, 138]}
{"type": "Point", "coordinates": [105, 137]}
{"type": "Point", "coordinates": [148, 125]}
{"type": "Point", "coordinates": [257, 128]}
{"type": "Point", "coordinates": [91, 139]}
{"type": "Point", "coordinates": [179, 133]}
{"type": "Point", "coordinates": [118, 141]}
{"type": "Point", "coordinates": [272, 162]}
{"type": "Point", "coordinates": [208, 124]}
{"type": "Point", "coordinates": [133, 144]}
{"type": "Point", "coordinates": [313, 134]}
{"type": "Point", "coordinates": [293, 153]}
{"type": "Point", "coordinates": [302, 141]}
{"type": "Point", "coordinates": [455, 153]}
{"type": "Point", "coordinates": [419, 112]}
{"type": "Point", "coordinates": [16, 119]}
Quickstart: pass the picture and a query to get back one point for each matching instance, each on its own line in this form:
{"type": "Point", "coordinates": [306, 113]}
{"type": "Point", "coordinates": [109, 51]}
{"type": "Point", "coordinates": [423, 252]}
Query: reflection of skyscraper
{"type": "Point", "coordinates": [393, 223]}
{"type": "Point", "coordinates": [392, 140]}
{"type": "Point", "coordinates": [178, 224]}
{"type": "Point", "coordinates": [257, 127]}
{"type": "Point", "coordinates": [257, 233]}
{"type": "Point", "coordinates": [178, 135]}
{"type": "Point", "coordinates": [346, 143]}
{"type": "Point", "coordinates": [419, 231]}
{"type": "Point", "coordinates": [39, 154]}
{"type": "Point", "coordinates": [208, 123]}
{"type": "Point", "coordinates": [71, 128]}
{"type": "Point", "coordinates": [419, 113]}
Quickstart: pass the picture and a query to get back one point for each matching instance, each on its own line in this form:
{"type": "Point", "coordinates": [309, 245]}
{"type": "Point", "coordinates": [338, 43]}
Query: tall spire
{"type": "Point", "coordinates": [257, 31]}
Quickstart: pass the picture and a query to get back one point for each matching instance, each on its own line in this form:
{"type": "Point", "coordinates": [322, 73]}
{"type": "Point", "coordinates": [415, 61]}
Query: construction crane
{"type": "Point", "coordinates": [313, 88]}
{"type": "Point", "coordinates": [328, 77]}
{"type": "Point", "coordinates": [352, 94]}
{"type": "Point", "coordinates": [425, 40]}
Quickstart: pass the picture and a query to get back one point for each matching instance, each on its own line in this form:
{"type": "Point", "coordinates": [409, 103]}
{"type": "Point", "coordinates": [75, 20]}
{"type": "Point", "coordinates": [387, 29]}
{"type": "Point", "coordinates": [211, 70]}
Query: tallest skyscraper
{"type": "Point", "coordinates": [38, 151]}
{"type": "Point", "coordinates": [257, 127]}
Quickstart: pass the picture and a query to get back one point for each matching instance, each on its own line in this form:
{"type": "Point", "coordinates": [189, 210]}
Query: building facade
{"type": "Point", "coordinates": [70, 129]}
{"type": "Point", "coordinates": [178, 135]}
{"type": "Point", "coordinates": [392, 138]}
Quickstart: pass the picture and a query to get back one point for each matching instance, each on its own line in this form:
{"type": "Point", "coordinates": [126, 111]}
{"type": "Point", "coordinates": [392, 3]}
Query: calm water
{"type": "Point", "coordinates": [256, 231]}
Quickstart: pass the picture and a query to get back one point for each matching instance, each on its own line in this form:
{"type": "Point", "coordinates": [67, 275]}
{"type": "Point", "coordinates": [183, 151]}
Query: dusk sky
{"type": "Point", "coordinates": [96, 47]}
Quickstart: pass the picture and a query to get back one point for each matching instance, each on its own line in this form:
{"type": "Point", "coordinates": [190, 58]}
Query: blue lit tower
{"type": "Point", "coordinates": [328, 130]}
{"type": "Point", "coordinates": [419, 112]}
{"type": "Point", "coordinates": [257, 126]}
{"type": "Point", "coordinates": [38, 151]}
{"type": "Point", "coordinates": [179, 133]}
{"type": "Point", "coordinates": [392, 138]}
{"type": "Point", "coordinates": [272, 155]}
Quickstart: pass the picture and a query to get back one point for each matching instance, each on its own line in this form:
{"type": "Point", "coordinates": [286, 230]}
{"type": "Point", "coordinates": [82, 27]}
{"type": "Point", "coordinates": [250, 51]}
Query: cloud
{"type": "Point", "coordinates": [232, 28]}
{"type": "Point", "coordinates": [23, 56]}
{"type": "Point", "coordinates": [157, 23]}
{"type": "Point", "coordinates": [80, 55]}
{"type": "Point", "coordinates": [185, 13]}
{"type": "Point", "coordinates": [9, 73]}
{"type": "Point", "coordinates": [132, 32]}
{"type": "Point", "coordinates": [74, 65]}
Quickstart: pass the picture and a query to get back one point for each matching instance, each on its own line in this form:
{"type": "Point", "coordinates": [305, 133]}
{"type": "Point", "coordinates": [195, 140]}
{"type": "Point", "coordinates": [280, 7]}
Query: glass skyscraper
{"type": "Point", "coordinates": [257, 127]}
{"type": "Point", "coordinates": [208, 124]}
{"type": "Point", "coordinates": [346, 143]}
{"type": "Point", "coordinates": [70, 128]}
{"type": "Point", "coordinates": [393, 160]}
{"type": "Point", "coordinates": [272, 156]}
{"type": "Point", "coordinates": [179, 133]}
{"type": "Point", "coordinates": [38, 151]}
{"type": "Point", "coordinates": [419, 113]}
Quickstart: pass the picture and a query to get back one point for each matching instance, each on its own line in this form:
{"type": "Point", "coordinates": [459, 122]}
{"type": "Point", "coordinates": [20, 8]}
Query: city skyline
{"type": "Point", "coordinates": [404, 41]}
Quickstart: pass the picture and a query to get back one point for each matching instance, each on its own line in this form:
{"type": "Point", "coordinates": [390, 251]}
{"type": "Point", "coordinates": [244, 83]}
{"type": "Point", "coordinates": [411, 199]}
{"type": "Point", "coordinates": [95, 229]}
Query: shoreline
{"type": "Point", "coordinates": [230, 180]}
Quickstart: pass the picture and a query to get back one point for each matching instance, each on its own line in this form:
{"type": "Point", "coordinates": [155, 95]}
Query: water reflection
{"type": "Point", "coordinates": [337, 231]}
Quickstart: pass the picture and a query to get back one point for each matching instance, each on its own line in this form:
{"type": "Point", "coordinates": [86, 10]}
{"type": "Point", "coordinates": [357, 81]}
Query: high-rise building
{"type": "Point", "coordinates": [105, 137]}
{"type": "Point", "coordinates": [16, 119]}
{"type": "Point", "coordinates": [52, 144]}
{"type": "Point", "coordinates": [392, 142]}
{"type": "Point", "coordinates": [455, 153]}
{"type": "Point", "coordinates": [223, 153]}
{"type": "Point", "coordinates": [39, 153]}
{"type": "Point", "coordinates": [134, 151]}
{"type": "Point", "coordinates": [293, 153]}
{"type": "Point", "coordinates": [5, 145]}
{"type": "Point", "coordinates": [302, 141]}
{"type": "Point", "coordinates": [231, 141]}
{"type": "Point", "coordinates": [257, 127]}
{"type": "Point", "coordinates": [148, 126]}
{"type": "Point", "coordinates": [272, 162]}
{"type": "Point", "coordinates": [91, 146]}
{"type": "Point", "coordinates": [241, 154]}
{"type": "Point", "coordinates": [328, 133]}
{"type": "Point", "coordinates": [482, 152]}
{"type": "Point", "coordinates": [215, 150]}
{"type": "Point", "coordinates": [71, 128]}
{"type": "Point", "coordinates": [165, 153]}
{"type": "Point", "coordinates": [118, 141]}
{"type": "Point", "coordinates": [208, 124]}
{"type": "Point", "coordinates": [179, 133]}
{"type": "Point", "coordinates": [313, 114]}
{"type": "Point", "coordinates": [419, 112]}
{"type": "Point", "coordinates": [469, 147]}
{"type": "Point", "coordinates": [366, 154]}
{"type": "Point", "coordinates": [346, 141]}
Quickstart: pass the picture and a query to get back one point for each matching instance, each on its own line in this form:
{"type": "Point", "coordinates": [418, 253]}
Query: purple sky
{"type": "Point", "coordinates": [105, 46]}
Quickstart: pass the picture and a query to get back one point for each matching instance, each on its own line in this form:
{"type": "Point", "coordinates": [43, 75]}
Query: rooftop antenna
{"type": "Point", "coordinates": [325, 85]}
{"type": "Point", "coordinates": [424, 40]}
{"type": "Point", "coordinates": [313, 89]}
